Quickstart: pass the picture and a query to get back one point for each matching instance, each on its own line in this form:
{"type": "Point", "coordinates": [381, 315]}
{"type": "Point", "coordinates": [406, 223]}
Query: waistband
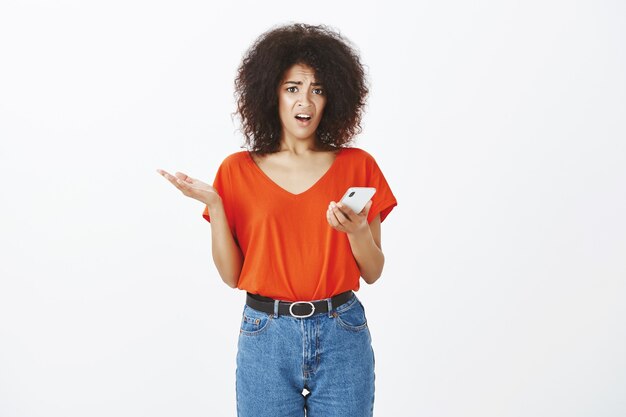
{"type": "Point", "coordinates": [299, 309]}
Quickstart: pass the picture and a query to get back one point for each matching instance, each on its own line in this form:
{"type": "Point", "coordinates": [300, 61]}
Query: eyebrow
{"type": "Point", "coordinates": [299, 83]}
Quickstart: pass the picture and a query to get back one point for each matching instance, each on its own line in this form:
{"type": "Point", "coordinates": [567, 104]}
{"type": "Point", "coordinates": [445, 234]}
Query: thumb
{"type": "Point", "coordinates": [366, 209]}
{"type": "Point", "coordinates": [184, 177]}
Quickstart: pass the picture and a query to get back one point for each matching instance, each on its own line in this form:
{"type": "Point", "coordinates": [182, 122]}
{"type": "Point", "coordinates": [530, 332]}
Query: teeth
{"type": "Point", "coordinates": [305, 116]}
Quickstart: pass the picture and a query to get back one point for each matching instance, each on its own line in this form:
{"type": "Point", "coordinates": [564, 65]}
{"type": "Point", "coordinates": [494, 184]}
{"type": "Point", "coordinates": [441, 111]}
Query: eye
{"type": "Point", "coordinates": [318, 91]}
{"type": "Point", "coordinates": [292, 89]}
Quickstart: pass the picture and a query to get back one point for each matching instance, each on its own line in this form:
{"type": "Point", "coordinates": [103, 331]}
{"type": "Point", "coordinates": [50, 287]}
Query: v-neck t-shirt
{"type": "Point", "coordinates": [290, 251]}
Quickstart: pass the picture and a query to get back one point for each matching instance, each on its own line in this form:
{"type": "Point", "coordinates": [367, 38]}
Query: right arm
{"type": "Point", "coordinates": [227, 255]}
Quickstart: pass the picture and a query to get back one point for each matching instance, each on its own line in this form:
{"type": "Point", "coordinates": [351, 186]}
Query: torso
{"type": "Point", "coordinates": [290, 250]}
{"type": "Point", "coordinates": [295, 174]}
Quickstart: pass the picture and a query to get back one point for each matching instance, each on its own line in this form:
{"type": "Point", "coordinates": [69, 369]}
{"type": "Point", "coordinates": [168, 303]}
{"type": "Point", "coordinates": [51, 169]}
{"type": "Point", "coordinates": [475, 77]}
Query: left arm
{"type": "Point", "coordinates": [364, 239]}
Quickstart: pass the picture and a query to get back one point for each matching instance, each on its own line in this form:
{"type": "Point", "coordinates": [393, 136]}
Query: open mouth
{"type": "Point", "coordinates": [304, 120]}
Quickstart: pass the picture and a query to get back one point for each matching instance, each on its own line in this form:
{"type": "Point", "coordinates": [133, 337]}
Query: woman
{"type": "Point", "coordinates": [278, 233]}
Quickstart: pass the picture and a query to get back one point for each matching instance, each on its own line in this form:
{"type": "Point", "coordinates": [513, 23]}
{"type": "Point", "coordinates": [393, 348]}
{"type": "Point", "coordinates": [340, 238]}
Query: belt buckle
{"type": "Point", "coordinates": [302, 302]}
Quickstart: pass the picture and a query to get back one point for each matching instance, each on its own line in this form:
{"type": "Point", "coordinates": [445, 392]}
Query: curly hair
{"type": "Point", "coordinates": [337, 66]}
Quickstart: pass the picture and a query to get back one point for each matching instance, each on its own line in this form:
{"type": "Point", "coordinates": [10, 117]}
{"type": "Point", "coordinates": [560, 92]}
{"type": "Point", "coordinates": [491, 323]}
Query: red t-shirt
{"type": "Point", "coordinates": [290, 251]}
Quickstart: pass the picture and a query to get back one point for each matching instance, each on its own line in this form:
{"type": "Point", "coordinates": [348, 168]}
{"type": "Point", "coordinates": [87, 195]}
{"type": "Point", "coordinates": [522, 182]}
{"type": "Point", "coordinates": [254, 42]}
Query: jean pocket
{"type": "Point", "coordinates": [351, 316]}
{"type": "Point", "coordinates": [253, 321]}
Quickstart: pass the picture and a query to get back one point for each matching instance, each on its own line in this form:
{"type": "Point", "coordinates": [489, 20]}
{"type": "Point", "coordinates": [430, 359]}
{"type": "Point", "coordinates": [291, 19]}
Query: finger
{"type": "Point", "coordinates": [366, 209]}
{"type": "Point", "coordinates": [346, 211]}
{"type": "Point", "coordinates": [331, 213]}
{"type": "Point", "coordinates": [189, 180]}
{"type": "Point", "coordinates": [341, 216]}
{"type": "Point", "coordinates": [182, 184]}
{"type": "Point", "coordinates": [170, 178]}
{"type": "Point", "coordinates": [177, 182]}
{"type": "Point", "coordinates": [332, 219]}
{"type": "Point", "coordinates": [164, 173]}
{"type": "Point", "coordinates": [183, 177]}
{"type": "Point", "coordinates": [336, 216]}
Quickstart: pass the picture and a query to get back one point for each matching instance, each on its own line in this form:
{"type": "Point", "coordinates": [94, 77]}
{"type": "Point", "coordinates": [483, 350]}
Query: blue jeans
{"type": "Point", "coordinates": [328, 354]}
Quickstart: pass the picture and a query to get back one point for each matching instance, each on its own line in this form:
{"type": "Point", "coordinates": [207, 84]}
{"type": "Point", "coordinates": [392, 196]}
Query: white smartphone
{"type": "Point", "coordinates": [357, 197]}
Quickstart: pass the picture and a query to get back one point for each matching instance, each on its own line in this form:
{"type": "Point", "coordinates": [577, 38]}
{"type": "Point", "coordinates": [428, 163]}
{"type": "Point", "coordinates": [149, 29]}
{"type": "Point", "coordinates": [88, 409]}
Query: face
{"type": "Point", "coordinates": [301, 102]}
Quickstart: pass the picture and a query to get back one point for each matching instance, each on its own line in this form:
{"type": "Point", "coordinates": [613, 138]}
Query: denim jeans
{"type": "Point", "coordinates": [328, 354]}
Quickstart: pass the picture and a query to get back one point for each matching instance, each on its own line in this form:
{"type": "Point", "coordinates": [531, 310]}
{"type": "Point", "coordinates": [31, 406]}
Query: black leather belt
{"type": "Point", "coordinates": [298, 309]}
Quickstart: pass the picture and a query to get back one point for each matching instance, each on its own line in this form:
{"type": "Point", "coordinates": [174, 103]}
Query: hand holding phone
{"type": "Point", "coordinates": [357, 197]}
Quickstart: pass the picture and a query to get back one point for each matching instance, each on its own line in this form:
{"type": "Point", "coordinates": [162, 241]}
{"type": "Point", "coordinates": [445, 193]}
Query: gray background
{"type": "Point", "coordinates": [499, 125]}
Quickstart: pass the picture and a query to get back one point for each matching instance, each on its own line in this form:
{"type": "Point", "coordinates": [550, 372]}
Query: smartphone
{"type": "Point", "coordinates": [357, 197]}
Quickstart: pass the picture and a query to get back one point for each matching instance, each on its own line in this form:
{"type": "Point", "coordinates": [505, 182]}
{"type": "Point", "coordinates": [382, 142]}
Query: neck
{"type": "Point", "coordinates": [297, 146]}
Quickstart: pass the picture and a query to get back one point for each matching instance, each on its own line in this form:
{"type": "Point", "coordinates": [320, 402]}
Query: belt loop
{"type": "Point", "coordinates": [276, 308]}
{"type": "Point", "coordinates": [330, 307]}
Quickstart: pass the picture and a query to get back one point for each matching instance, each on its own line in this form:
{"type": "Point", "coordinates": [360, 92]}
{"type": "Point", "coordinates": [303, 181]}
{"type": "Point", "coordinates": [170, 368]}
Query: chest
{"type": "Point", "coordinates": [295, 175]}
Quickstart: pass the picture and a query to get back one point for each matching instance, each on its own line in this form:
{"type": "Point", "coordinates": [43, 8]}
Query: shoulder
{"type": "Point", "coordinates": [360, 159]}
{"type": "Point", "coordinates": [234, 159]}
{"type": "Point", "coordinates": [358, 154]}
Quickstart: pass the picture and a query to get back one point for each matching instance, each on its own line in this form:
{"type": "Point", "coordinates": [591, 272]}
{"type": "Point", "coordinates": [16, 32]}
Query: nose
{"type": "Point", "coordinates": [304, 100]}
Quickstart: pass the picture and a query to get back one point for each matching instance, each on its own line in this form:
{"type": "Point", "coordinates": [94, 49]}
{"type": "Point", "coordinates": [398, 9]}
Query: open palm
{"type": "Point", "coordinates": [192, 187]}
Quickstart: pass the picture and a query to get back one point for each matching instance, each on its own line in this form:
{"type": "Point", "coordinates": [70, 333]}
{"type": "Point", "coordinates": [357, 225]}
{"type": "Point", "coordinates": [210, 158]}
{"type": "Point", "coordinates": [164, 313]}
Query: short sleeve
{"type": "Point", "coordinates": [383, 201]}
{"type": "Point", "coordinates": [223, 186]}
